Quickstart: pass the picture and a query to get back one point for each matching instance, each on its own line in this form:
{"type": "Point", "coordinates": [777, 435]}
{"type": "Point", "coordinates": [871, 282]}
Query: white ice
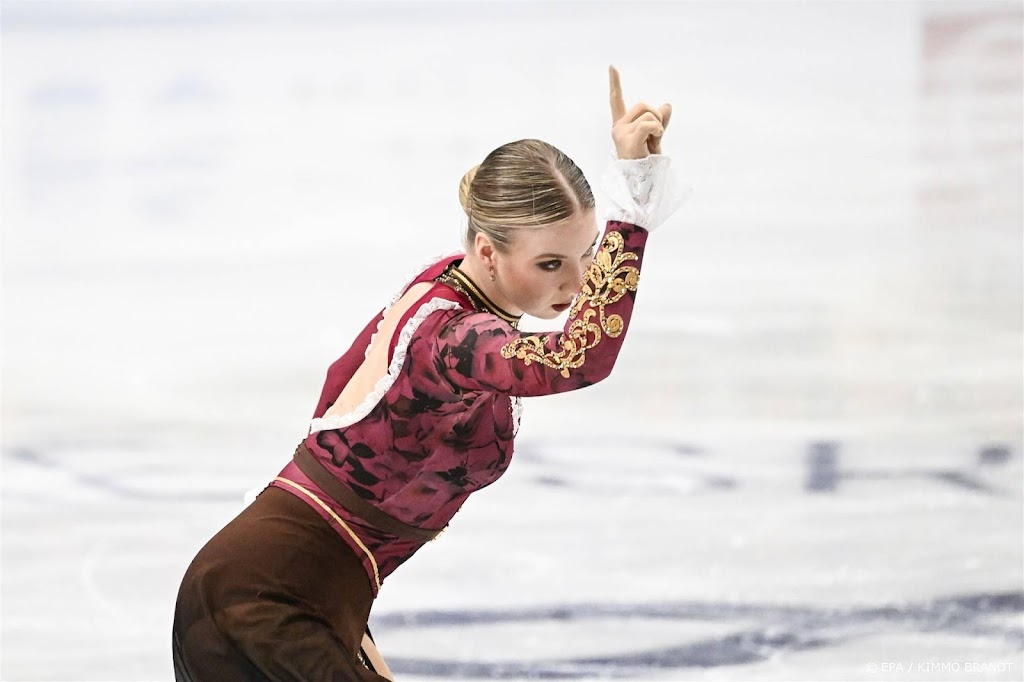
{"type": "Point", "coordinates": [202, 203]}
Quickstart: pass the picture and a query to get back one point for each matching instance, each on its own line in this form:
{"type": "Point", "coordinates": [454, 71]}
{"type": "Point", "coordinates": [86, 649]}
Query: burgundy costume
{"type": "Point", "coordinates": [439, 426]}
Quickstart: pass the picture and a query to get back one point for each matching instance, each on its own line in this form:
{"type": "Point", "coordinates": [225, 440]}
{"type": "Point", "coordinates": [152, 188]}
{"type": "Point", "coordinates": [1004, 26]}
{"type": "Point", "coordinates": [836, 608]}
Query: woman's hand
{"type": "Point", "coordinates": [637, 133]}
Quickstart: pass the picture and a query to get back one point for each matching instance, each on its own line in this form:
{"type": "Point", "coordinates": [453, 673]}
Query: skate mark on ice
{"type": "Point", "coordinates": [108, 483]}
{"type": "Point", "coordinates": [682, 467]}
{"type": "Point", "coordinates": [824, 473]}
{"type": "Point", "coordinates": [784, 630]}
{"type": "Point", "coordinates": [551, 481]}
{"type": "Point", "coordinates": [534, 450]}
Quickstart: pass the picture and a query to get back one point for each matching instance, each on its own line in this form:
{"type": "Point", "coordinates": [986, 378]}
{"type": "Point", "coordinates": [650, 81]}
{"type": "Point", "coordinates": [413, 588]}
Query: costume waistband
{"type": "Point", "coordinates": [348, 499]}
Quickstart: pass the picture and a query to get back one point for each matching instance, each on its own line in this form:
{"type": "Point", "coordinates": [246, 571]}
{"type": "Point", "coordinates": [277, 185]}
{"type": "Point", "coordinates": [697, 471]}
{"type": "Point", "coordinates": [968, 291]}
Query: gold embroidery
{"type": "Point", "coordinates": [606, 281]}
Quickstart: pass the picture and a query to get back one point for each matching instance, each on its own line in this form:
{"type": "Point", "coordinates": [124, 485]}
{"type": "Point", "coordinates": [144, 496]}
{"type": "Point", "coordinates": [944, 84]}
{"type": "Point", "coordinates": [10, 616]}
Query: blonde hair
{"type": "Point", "coordinates": [522, 184]}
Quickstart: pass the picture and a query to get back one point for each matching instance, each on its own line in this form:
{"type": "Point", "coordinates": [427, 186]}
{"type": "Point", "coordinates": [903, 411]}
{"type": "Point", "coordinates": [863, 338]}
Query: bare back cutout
{"type": "Point", "coordinates": [375, 366]}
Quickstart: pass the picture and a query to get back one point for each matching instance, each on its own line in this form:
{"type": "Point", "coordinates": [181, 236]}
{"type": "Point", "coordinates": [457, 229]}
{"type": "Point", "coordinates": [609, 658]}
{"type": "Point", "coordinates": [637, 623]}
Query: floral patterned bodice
{"type": "Point", "coordinates": [441, 423]}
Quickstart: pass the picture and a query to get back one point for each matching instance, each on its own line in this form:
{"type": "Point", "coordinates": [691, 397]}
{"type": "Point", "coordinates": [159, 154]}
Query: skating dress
{"type": "Point", "coordinates": [387, 476]}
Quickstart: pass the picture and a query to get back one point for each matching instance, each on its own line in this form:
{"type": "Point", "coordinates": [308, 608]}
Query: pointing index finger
{"type": "Point", "coordinates": [615, 94]}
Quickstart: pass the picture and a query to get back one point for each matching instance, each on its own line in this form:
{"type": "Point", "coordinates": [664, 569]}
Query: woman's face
{"type": "Point", "coordinates": [542, 269]}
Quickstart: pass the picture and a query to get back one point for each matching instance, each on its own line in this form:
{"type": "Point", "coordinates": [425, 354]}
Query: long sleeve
{"type": "Point", "coordinates": [479, 352]}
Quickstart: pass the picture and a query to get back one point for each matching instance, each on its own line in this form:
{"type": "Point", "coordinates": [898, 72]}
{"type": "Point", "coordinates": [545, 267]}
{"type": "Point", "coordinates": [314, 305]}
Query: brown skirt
{"type": "Point", "coordinates": [275, 595]}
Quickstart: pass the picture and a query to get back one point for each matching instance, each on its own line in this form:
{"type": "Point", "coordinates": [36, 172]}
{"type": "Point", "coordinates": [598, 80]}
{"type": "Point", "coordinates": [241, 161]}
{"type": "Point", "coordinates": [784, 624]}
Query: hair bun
{"type": "Point", "coordinates": [464, 186]}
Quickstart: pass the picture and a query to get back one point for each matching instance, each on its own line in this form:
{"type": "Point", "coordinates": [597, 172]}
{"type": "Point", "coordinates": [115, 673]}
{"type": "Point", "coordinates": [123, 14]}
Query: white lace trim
{"type": "Point", "coordinates": [517, 414]}
{"type": "Point", "coordinates": [401, 292]}
{"type": "Point", "coordinates": [644, 192]}
{"type": "Point", "coordinates": [385, 383]}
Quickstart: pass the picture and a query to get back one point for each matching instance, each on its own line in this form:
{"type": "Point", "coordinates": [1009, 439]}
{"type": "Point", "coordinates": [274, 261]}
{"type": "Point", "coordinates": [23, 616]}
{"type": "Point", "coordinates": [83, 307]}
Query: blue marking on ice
{"type": "Point", "coordinates": [786, 629]}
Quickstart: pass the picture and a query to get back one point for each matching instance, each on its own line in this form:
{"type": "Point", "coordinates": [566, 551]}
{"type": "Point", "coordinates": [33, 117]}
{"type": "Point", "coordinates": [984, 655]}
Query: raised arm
{"type": "Point", "coordinates": [479, 351]}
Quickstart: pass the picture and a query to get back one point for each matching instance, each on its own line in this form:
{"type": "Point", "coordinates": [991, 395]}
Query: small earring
{"type": "Point", "coordinates": [492, 274]}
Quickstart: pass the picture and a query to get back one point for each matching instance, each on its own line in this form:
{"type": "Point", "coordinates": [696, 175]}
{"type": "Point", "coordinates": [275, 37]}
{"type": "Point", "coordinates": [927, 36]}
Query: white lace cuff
{"type": "Point", "coordinates": [643, 192]}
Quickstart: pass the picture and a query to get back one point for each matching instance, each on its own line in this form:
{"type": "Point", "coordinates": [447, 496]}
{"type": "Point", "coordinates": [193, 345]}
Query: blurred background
{"type": "Point", "coordinates": [806, 465]}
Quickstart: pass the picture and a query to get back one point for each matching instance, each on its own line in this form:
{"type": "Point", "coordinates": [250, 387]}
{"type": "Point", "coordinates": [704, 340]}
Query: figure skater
{"type": "Point", "coordinates": [422, 410]}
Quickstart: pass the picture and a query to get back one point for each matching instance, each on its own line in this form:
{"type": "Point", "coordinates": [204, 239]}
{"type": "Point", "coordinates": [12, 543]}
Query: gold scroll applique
{"type": "Point", "coordinates": [605, 282]}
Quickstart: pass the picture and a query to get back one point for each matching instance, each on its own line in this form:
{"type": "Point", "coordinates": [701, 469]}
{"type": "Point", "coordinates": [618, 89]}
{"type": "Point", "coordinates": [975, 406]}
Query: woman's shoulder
{"type": "Point", "coordinates": [428, 272]}
{"type": "Point", "coordinates": [423, 307]}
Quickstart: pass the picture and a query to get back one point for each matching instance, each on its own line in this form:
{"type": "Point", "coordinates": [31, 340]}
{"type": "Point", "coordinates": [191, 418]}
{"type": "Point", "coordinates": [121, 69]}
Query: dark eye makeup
{"type": "Point", "coordinates": [554, 264]}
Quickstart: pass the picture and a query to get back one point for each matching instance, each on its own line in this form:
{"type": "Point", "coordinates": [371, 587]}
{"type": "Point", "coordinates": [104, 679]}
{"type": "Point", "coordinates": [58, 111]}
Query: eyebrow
{"type": "Point", "coordinates": [558, 255]}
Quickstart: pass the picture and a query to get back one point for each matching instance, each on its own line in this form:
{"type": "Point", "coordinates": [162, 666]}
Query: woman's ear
{"type": "Point", "coordinates": [484, 249]}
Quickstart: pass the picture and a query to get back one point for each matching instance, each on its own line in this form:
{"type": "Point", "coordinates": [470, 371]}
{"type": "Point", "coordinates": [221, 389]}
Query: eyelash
{"type": "Point", "coordinates": [554, 265]}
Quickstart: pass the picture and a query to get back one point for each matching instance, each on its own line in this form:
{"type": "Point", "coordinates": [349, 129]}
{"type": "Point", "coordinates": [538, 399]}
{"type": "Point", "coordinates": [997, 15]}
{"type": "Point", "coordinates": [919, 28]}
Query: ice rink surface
{"type": "Point", "coordinates": [806, 465]}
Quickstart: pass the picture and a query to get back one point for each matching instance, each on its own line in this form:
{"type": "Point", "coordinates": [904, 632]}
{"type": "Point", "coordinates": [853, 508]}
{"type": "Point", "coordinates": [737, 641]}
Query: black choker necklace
{"type": "Point", "coordinates": [461, 282]}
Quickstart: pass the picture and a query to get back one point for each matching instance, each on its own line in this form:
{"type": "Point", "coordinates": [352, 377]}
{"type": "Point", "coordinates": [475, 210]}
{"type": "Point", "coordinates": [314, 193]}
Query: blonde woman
{"type": "Point", "coordinates": [423, 409]}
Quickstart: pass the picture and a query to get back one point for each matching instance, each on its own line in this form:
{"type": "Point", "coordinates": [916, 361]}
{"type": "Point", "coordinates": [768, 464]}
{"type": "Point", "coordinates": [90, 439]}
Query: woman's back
{"type": "Point", "coordinates": [375, 365]}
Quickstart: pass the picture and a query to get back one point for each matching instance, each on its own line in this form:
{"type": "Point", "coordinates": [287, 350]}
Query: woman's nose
{"type": "Point", "coordinates": [574, 277]}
